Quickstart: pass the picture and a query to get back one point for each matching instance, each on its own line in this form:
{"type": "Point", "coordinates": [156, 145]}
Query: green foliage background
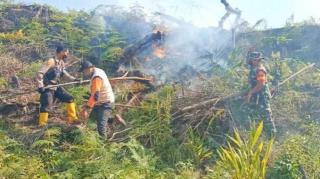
{"type": "Point", "coordinates": [152, 151]}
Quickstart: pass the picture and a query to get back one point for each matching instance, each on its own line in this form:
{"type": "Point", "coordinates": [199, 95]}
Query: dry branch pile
{"type": "Point", "coordinates": [201, 109]}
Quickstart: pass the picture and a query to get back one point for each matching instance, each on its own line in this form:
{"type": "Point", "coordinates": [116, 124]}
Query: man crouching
{"type": "Point", "coordinates": [101, 98]}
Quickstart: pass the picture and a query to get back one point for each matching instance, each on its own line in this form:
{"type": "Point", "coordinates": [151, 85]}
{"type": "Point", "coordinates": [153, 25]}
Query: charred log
{"type": "Point", "coordinates": [137, 73]}
{"type": "Point", "coordinates": [132, 50]}
{"type": "Point", "coordinates": [230, 11]}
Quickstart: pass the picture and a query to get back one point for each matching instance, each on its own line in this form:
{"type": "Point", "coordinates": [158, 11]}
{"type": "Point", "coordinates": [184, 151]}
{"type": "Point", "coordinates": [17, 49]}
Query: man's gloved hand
{"type": "Point", "coordinates": [41, 90]}
{"type": "Point", "coordinates": [78, 79]}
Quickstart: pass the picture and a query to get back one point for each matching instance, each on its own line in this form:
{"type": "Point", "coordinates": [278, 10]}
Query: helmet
{"type": "Point", "coordinates": [254, 56]}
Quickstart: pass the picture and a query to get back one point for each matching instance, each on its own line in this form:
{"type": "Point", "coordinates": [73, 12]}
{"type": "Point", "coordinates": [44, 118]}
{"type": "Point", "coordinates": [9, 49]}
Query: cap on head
{"type": "Point", "coordinates": [255, 56]}
{"type": "Point", "coordinates": [84, 65]}
{"type": "Point", "coordinates": [60, 48]}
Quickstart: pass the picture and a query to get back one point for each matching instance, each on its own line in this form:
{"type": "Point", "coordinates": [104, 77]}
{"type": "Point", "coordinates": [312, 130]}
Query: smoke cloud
{"type": "Point", "coordinates": [185, 49]}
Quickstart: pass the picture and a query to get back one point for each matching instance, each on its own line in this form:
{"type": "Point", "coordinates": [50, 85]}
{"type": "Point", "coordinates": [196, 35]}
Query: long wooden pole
{"type": "Point", "coordinates": [67, 84]}
{"type": "Point", "coordinates": [239, 94]}
{"type": "Point", "coordinates": [88, 81]}
{"type": "Point", "coordinates": [297, 73]}
{"type": "Point", "coordinates": [77, 82]}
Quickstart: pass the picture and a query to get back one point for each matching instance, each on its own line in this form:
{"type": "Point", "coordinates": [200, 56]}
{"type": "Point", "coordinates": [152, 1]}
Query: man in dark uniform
{"type": "Point", "coordinates": [49, 74]}
{"type": "Point", "coordinates": [259, 93]}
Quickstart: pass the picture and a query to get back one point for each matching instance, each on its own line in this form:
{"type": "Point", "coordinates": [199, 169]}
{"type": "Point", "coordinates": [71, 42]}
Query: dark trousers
{"type": "Point", "coordinates": [48, 97]}
{"type": "Point", "coordinates": [270, 127]}
{"type": "Point", "coordinates": [263, 111]}
{"type": "Point", "coordinates": [103, 115]}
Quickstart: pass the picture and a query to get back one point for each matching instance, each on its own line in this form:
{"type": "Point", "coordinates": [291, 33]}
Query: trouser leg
{"type": "Point", "coordinates": [109, 116]}
{"type": "Point", "coordinates": [46, 101]}
{"type": "Point", "coordinates": [110, 128]}
{"type": "Point", "coordinates": [104, 121]}
{"type": "Point", "coordinates": [101, 121]}
{"type": "Point", "coordinates": [269, 124]}
{"type": "Point", "coordinates": [265, 108]}
{"type": "Point", "coordinates": [65, 97]}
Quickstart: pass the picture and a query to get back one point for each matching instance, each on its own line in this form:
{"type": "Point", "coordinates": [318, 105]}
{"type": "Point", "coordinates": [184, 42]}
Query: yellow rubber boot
{"type": "Point", "coordinates": [43, 119]}
{"type": "Point", "coordinates": [72, 114]}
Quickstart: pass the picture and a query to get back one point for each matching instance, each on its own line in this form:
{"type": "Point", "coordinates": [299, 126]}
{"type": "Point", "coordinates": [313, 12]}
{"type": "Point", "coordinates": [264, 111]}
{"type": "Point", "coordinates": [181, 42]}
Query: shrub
{"type": "Point", "coordinates": [298, 156]}
{"type": "Point", "coordinates": [3, 83]}
{"type": "Point", "coordinates": [244, 159]}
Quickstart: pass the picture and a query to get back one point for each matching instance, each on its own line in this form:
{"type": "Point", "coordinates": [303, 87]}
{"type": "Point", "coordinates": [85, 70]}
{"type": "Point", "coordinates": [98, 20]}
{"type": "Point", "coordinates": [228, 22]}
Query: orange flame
{"type": "Point", "coordinates": [158, 49]}
{"type": "Point", "coordinates": [159, 52]}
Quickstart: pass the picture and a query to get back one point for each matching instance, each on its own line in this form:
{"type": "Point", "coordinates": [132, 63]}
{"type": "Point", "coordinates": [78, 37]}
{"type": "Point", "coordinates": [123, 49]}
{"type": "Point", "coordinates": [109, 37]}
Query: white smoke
{"type": "Point", "coordinates": [188, 49]}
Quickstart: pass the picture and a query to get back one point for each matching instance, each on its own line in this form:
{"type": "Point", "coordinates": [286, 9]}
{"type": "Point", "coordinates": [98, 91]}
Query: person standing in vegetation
{"type": "Point", "coordinates": [101, 98]}
{"type": "Point", "coordinates": [49, 74]}
{"type": "Point", "coordinates": [259, 93]}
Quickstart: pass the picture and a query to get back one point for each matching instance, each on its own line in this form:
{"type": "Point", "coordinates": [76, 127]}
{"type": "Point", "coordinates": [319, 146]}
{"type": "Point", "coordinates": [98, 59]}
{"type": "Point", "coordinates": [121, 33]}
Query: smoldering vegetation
{"type": "Point", "coordinates": [185, 111]}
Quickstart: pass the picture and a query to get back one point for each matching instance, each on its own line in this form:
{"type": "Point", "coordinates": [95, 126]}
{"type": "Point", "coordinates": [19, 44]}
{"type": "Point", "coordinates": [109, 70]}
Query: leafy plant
{"type": "Point", "coordinates": [298, 156]}
{"type": "Point", "coordinates": [46, 147]}
{"type": "Point", "coordinates": [15, 162]}
{"type": "Point", "coordinates": [285, 168]}
{"type": "Point", "coordinates": [245, 159]}
{"type": "Point", "coordinates": [3, 83]}
{"type": "Point", "coordinates": [14, 36]}
{"type": "Point", "coordinates": [197, 149]}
